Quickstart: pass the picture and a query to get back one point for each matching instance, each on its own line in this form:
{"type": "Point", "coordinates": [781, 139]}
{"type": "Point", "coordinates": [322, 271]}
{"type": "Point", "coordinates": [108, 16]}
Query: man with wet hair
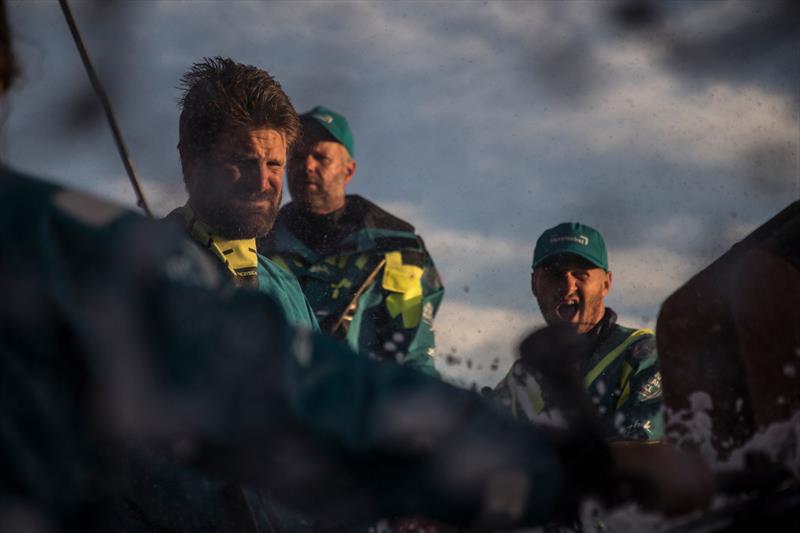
{"type": "Point", "coordinates": [236, 127]}
{"type": "Point", "coordinates": [365, 272]}
{"type": "Point", "coordinates": [570, 280]}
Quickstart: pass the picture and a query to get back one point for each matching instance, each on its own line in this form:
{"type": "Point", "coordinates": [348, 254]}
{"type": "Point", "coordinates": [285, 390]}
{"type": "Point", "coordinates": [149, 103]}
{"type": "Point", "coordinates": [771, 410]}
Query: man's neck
{"type": "Point", "coordinates": [319, 232]}
{"type": "Point", "coordinates": [604, 325]}
{"type": "Point", "coordinates": [323, 211]}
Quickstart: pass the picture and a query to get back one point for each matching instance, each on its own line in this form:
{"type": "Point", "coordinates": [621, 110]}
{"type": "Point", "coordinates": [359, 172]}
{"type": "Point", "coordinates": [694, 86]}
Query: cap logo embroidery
{"type": "Point", "coordinates": [327, 119]}
{"type": "Point", "coordinates": [580, 239]}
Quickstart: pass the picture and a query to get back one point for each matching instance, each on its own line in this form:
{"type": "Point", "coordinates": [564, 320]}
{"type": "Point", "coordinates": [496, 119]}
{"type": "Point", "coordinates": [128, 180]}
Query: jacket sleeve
{"type": "Point", "coordinates": [180, 359]}
{"type": "Point", "coordinates": [639, 406]}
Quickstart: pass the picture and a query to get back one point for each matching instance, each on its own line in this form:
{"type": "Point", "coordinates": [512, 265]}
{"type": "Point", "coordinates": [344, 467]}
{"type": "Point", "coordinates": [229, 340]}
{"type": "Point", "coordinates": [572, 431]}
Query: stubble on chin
{"type": "Point", "coordinates": [230, 223]}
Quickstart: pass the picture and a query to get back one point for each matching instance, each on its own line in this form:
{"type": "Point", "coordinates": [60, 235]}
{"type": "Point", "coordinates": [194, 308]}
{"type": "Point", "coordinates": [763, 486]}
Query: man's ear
{"type": "Point", "coordinates": [350, 169]}
{"type": "Point", "coordinates": [533, 283]}
{"type": "Point", "coordinates": [607, 283]}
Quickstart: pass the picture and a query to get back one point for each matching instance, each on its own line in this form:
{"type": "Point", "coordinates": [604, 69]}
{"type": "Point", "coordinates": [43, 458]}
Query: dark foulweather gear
{"type": "Point", "coordinates": [367, 276]}
{"type": "Point", "coordinates": [180, 498]}
{"type": "Point", "coordinates": [118, 334]}
{"type": "Point", "coordinates": [620, 375]}
{"type": "Point", "coordinates": [248, 268]}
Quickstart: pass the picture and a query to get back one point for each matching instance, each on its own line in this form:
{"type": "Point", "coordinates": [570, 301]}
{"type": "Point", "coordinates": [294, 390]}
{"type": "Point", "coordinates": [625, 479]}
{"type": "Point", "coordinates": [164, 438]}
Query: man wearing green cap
{"type": "Point", "coordinates": [365, 272]}
{"type": "Point", "coordinates": [619, 368]}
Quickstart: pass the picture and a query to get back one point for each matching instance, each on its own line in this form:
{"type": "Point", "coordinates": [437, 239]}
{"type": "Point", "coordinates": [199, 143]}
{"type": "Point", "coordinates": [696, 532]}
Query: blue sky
{"type": "Point", "coordinates": [482, 123]}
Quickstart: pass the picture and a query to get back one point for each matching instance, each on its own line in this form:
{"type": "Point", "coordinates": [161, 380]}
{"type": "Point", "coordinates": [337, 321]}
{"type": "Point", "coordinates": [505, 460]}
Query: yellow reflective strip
{"type": "Point", "coordinates": [538, 401]}
{"type": "Point", "coordinates": [239, 256]}
{"type": "Point", "coordinates": [625, 384]}
{"type": "Point", "coordinates": [361, 261]}
{"type": "Point", "coordinates": [535, 397]}
{"type": "Point", "coordinates": [411, 308]}
{"type": "Point", "coordinates": [394, 259]}
{"type": "Point", "coordinates": [239, 253]}
{"type": "Point", "coordinates": [330, 260]}
{"type": "Point", "coordinates": [612, 355]}
{"type": "Point", "coordinates": [405, 284]}
{"type": "Point", "coordinates": [342, 261]}
{"type": "Point", "coordinates": [397, 277]}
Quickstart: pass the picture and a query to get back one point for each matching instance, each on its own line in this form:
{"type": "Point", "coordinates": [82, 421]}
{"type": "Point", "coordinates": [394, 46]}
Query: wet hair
{"type": "Point", "coordinates": [8, 65]}
{"type": "Point", "coordinates": [219, 93]}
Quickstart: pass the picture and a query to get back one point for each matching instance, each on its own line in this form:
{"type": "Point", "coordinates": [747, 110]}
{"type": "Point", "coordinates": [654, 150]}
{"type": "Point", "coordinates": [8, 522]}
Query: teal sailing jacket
{"type": "Point", "coordinates": [376, 286]}
{"type": "Point", "coordinates": [620, 376]}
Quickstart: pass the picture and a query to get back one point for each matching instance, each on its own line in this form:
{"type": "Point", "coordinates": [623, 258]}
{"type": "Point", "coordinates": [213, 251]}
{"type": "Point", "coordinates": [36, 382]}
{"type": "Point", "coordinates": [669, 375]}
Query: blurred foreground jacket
{"type": "Point", "coordinates": [117, 333]}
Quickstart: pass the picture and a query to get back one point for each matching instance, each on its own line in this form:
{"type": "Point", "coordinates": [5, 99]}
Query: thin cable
{"type": "Point", "coordinates": [101, 94]}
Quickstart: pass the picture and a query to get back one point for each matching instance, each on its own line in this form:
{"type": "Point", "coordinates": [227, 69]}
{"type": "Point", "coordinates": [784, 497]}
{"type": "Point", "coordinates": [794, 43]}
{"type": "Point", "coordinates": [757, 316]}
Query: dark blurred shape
{"type": "Point", "coordinates": [636, 14]}
{"type": "Point", "coordinates": [746, 42]}
{"type": "Point", "coordinates": [743, 40]}
{"type": "Point", "coordinates": [8, 65]}
{"type": "Point", "coordinates": [554, 352]}
{"type": "Point", "coordinates": [732, 331]}
{"type": "Point", "coordinates": [551, 354]}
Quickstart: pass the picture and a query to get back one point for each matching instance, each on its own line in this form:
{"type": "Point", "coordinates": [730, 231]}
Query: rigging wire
{"type": "Point", "coordinates": [101, 94]}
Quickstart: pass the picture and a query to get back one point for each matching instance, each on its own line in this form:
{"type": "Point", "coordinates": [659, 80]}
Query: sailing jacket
{"type": "Point", "coordinates": [367, 276]}
{"type": "Point", "coordinates": [248, 268]}
{"type": "Point", "coordinates": [620, 375]}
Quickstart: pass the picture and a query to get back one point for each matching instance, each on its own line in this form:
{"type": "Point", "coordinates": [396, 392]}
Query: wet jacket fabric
{"type": "Point", "coordinates": [367, 276]}
{"type": "Point", "coordinates": [117, 335]}
{"type": "Point", "coordinates": [621, 377]}
{"type": "Point", "coordinates": [281, 285]}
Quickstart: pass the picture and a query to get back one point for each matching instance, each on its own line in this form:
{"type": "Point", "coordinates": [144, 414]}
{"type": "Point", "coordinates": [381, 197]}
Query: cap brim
{"type": "Point", "coordinates": [568, 252]}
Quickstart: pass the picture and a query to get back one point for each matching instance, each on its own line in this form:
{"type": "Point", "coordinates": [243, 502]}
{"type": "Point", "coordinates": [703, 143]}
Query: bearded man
{"type": "Point", "coordinates": [365, 272]}
{"type": "Point", "coordinates": [236, 127]}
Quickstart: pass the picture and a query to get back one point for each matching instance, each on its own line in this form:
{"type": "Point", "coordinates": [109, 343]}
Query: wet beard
{"type": "Point", "coordinates": [312, 202]}
{"type": "Point", "coordinates": [231, 222]}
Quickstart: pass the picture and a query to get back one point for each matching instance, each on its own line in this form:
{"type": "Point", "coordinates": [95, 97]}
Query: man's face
{"type": "Point", "coordinates": [319, 171]}
{"type": "Point", "coordinates": [236, 187]}
{"type": "Point", "coordinates": [571, 291]}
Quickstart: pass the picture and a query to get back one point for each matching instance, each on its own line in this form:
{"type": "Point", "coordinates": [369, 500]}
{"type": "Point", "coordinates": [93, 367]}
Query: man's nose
{"type": "Point", "coordinates": [568, 284]}
{"type": "Point", "coordinates": [310, 164]}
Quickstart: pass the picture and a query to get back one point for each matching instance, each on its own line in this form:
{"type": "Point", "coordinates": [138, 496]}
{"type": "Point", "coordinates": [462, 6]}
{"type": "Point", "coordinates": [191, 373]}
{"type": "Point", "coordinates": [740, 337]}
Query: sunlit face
{"type": "Point", "coordinates": [236, 187]}
{"type": "Point", "coordinates": [319, 172]}
{"type": "Point", "coordinates": [571, 291]}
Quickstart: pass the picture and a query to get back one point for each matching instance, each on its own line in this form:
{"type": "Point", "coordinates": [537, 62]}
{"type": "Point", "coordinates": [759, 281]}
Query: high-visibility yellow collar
{"type": "Point", "coordinates": [238, 255]}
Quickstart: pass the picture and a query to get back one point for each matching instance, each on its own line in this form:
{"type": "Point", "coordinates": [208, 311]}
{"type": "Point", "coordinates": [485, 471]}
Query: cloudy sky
{"type": "Point", "coordinates": [672, 128]}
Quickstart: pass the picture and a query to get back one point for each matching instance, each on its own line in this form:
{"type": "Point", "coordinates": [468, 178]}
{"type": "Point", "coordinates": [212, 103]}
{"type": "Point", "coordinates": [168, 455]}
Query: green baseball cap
{"type": "Point", "coordinates": [572, 238]}
{"type": "Point", "coordinates": [333, 123]}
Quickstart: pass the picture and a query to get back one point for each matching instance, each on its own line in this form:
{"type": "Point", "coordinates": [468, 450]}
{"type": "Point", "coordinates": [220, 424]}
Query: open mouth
{"type": "Point", "coordinates": [567, 311]}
